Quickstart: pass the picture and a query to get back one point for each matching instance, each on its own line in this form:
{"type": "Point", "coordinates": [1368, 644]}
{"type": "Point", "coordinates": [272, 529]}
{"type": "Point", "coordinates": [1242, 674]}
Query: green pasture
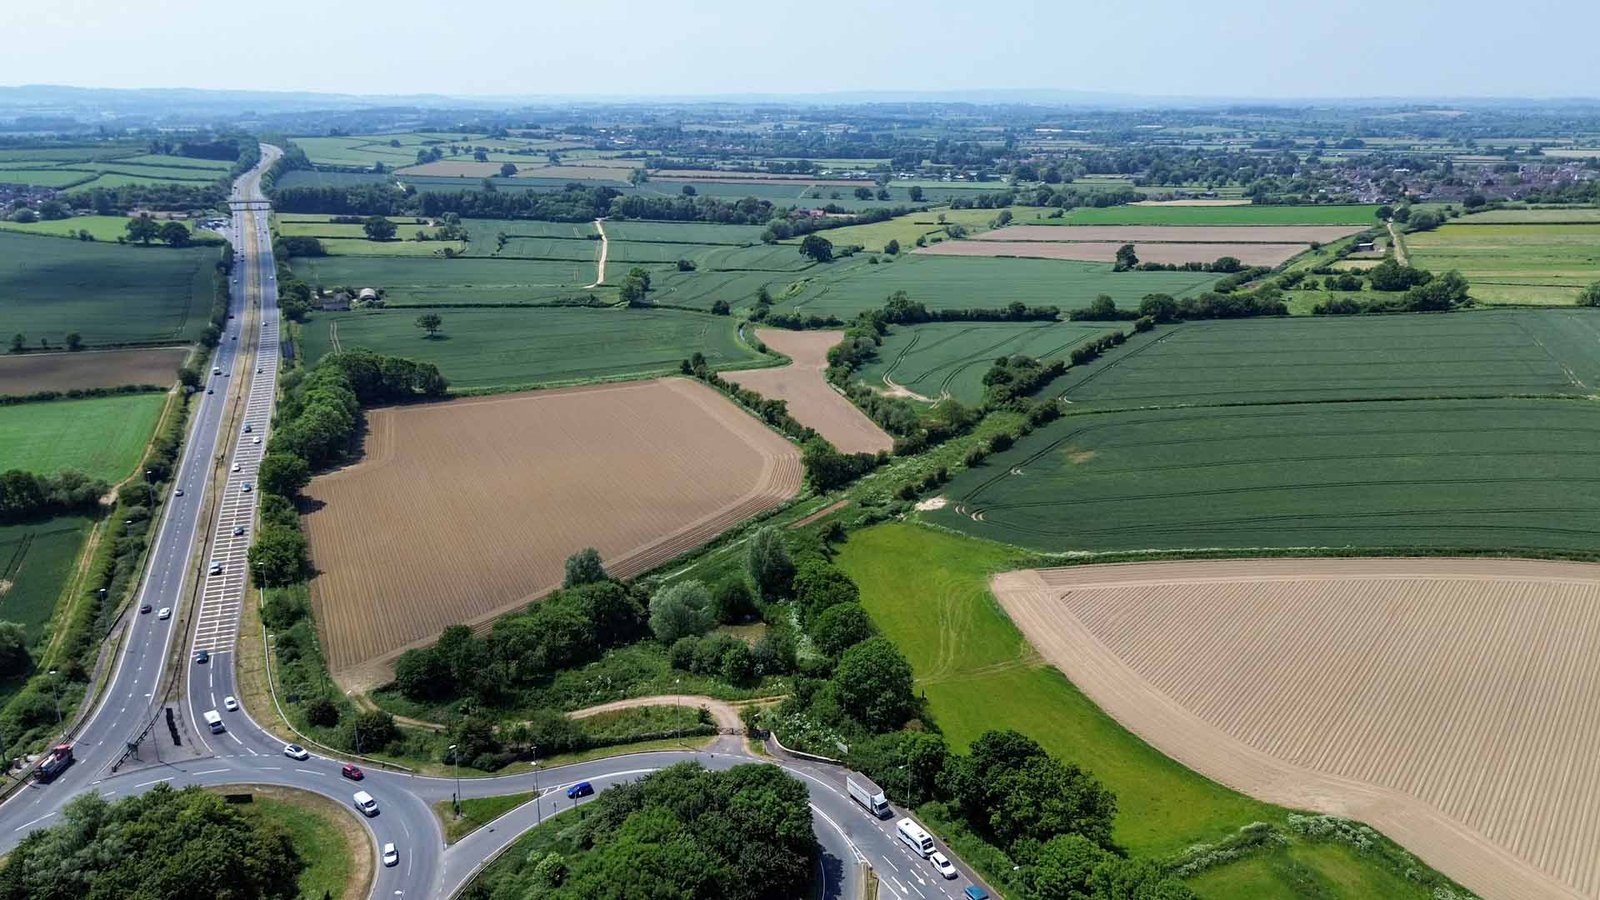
{"type": "Point", "coordinates": [682, 232]}
{"type": "Point", "coordinates": [1533, 216]}
{"type": "Point", "coordinates": [411, 281]}
{"type": "Point", "coordinates": [952, 357]}
{"type": "Point", "coordinates": [104, 228]}
{"type": "Point", "coordinates": [107, 292]}
{"type": "Point", "coordinates": [1471, 354]}
{"type": "Point", "coordinates": [103, 437]}
{"type": "Point", "coordinates": [1222, 215]}
{"type": "Point", "coordinates": [408, 248]}
{"type": "Point", "coordinates": [846, 287]}
{"type": "Point", "coordinates": [1544, 264]}
{"type": "Point", "coordinates": [36, 561]}
{"type": "Point", "coordinates": [1306, 869]}
{"type": "Point", "coordinates": [906, 229]}
{"type": "Point", "coordinates": [481, 349]}
{"type": "Point", "coordinates": [1503, 474]}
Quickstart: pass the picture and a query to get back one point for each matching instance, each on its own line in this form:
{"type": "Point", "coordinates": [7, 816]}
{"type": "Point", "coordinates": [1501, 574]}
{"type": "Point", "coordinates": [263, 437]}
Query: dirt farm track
{"type": "Point", "coordinates": [458, 512]}
{"type": "Point", "coordinates": [1453, 704]}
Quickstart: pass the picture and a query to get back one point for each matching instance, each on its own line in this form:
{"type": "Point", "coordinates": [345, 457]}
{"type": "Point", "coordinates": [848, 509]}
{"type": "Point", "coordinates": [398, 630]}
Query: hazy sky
{"type": "Point", "coordinates": [1256, 48]}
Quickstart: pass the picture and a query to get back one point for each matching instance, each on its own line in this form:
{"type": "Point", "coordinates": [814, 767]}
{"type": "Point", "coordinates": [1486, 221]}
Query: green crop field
{"type": "Point", "coordinates": [683, 232]}
{"type": "Point", "coordinates": [1474, 354]}
{"type": "Point", "coordinates": [1533, 216]}
{"type": "Point", "coordinates": [921, 586]}
{"type": "Point", "coordinates": [1503, 474]}
{"type": "Point", "coordinates": [411, 281]}
{"type": "Point", "coordinates": [1221, 215]}
{"type": "Point", "coordinates": [100, 436]}
{"type": "Point", "coordinates": [847, 287]}
{"type": "Point", "coordinates": [952, 357]}
{"type": "Point", "coordinates": [109, 293]}
{"type": "Point", "coordinates": [906, 229]}
{"type": "Point", "coordinates": [1522, 264]}
{"type": "Point", "coordinates": [36, 559]}
{"type": "Point", "coordinates": [480, 349]}
{"type": "Point", "coordinates": [104, 228]}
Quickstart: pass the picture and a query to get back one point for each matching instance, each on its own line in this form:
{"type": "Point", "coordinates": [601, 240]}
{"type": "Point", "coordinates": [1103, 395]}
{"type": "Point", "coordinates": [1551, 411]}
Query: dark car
{"type": "Point", "coordinates": [352, 772]}
{"type": "Point", "coordinates": [581, 789]}
{"type": "Point", "coordinates": [144, 609]}
{"type": "Point", "coordinates": [973, 892]}
{"type": "Point", "coordinates": [202, 657]}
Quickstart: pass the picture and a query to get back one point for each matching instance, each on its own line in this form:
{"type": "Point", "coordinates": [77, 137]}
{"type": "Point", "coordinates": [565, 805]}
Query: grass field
{"type": "Point", "coordinates": [476, 812]}
{"type": "Point", "coordinates": [109, 293]}
{"type": "Point", "coordinates": [1523, 264]}
{"type": "Point", "coordinates": [845, 288]}
{"type": "Point", "coordinates": [102, 437]}
{"type": "Point", "coordinates": [906, 229]}
{"type": "Point", "coordinates": [1513, 474]}
{"type": "Point", "coordinates": [104, 228]}
{"type": "Point", "coordinates": [497, 348]}
{"type": "Point", "coordinates": [978, 673]}
{"type": "Point", "coordinates": [1362, 215]}
{"type": "Point", "coordinates": [1538, 216]}
{"type": "Point", "coordinates": [107, 164]}
{"type": "Point", "coordinates": [412, 281]}
{"type": "Point", "coordinates": [36, 560]}
{"type": "Point", "coordinates": [952, 357]}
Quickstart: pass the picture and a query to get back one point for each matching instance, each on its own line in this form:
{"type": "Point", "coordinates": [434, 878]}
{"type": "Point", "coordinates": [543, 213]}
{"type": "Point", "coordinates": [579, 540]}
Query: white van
{"type": "Point", "coordinates": [214, 720]}
{"type": "Point", "coordinates": [365, 803]}
{"type": "Point", "coordinates": [914, 837]}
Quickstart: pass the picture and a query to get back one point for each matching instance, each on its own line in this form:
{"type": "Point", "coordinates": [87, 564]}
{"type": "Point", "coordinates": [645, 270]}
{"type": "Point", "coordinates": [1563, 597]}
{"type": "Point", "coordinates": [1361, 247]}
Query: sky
{"type": "Point", "coordinates": [1222, 48]}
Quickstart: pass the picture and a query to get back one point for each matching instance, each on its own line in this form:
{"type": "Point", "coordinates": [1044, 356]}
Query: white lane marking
{"type": "Point", "coordinates": [148, 783]}
{"type": "Point", "coordinates": [210, 772]}
{"type": "Point", "coordinates": [309, 771]}
{"type": "Point", "coordinates": [34, 822]}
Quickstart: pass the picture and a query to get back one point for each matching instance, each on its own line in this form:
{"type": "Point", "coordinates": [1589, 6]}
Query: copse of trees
{"type": "Point", "coordinates": [25, 496]}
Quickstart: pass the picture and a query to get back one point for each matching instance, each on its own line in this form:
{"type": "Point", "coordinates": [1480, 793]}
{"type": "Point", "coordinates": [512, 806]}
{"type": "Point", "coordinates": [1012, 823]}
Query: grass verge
{"type": "Point", "coordinates": [336, 849]}
{"type": "Point", "coordinates": [476, 812]}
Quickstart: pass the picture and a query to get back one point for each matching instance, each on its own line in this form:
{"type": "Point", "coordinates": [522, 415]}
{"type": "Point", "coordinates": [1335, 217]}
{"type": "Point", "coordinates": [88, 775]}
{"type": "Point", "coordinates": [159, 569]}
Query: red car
{"type": "Point", "coordinates": [352, 772]}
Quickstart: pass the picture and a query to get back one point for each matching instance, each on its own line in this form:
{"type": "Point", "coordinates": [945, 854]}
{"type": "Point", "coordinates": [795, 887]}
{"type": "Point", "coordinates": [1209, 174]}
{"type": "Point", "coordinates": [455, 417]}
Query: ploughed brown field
{"type": "Point", "coordinates": [1174, 234]}
{"type": "Point", "coordinates": [1453, 704]}
{"type": "Point", "coordinates": [27, 373]}
{"type": "Point", "coordinates": [803, 384]}
{"type": "Point", "coordinates": [458, 512]}
{"type": "Point", "coordinates": [1088, 251]}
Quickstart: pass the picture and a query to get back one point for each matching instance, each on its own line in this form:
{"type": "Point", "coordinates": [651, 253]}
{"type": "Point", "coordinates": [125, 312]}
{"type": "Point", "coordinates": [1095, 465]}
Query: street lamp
{"type": "Point", "coordinates": [677, 709]}
{"type": "Point", "coordinates": [55, 684]}
{"type": "Point", "coordinates": [538, 814]}
{"type": "Point", "coordinates": [455, 760]}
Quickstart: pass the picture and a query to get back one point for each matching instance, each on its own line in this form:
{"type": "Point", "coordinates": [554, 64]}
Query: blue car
{"type": "Point", "coordinates": [581, 789]}
{"type": "Point", "coordinates": [973, 892]}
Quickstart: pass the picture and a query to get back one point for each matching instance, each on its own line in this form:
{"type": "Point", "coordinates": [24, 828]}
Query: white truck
{"type": "Point", "coordinates": [869, 795]}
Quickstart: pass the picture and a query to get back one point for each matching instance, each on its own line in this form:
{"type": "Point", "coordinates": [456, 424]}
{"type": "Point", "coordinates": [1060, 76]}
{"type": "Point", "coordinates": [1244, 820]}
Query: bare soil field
{"type": "Point", "coordinates": [1453, 704]}
{"type": "Point", "coordinates": [804, 386]}
{"type": "Point", "coordinates": [29, 373]}
{"type": "Point", "coordinates": [458, 512]}
{"type": "Point", "coordinates": [1088, 251]}
{"type": "Point", "coordinates": [1173, 234]}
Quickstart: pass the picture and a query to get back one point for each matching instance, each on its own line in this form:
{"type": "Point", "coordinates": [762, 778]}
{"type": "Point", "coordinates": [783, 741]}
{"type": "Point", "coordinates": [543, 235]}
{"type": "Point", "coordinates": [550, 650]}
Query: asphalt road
{"type": "Point", "coordinates": [197, 530]}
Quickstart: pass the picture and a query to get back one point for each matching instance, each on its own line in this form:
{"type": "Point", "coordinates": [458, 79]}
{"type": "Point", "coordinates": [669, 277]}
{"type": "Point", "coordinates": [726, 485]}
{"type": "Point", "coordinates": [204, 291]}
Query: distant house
{"type": "Point", "coordinates": [367, 295]}
{"type": "Point", "coordinates": [336, 301]}
{"type": "Point", "coordinates": [1365, 246]}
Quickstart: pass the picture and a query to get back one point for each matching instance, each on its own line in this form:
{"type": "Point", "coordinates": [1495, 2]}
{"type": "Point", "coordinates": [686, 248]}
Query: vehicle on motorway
{"type": "Point", "coordinates": [352, 772]}
{"type": "Point", "coordinates": [203, 657]}
{"type": "Point", "coordinates": [144, 608]}
{"type": "Point", "coordinates": [210, 391]}
{"type": "Point", "coordinates": [248, 428]}
{"type": "Point", "coordinates": [166, 613]}
{"type": "Point", "coordinates": [238, 531]}
{"type": "Point", "coordinates": [216, 568]}
{"type": "Point", "coordinates": [55, 763]}
{"type": "Point", "coordinates": [913, 836]}
{"type": "Point", "coordinates": [230, 704]}
{"type": "Point", "coordinates": [973, 892]}
{"type": "Point", "coordinates": [865, 792]}
{"type": "Point", "coordinates": [943, 865]}
{"type": "Point", "coordinates": [581, 789]}
{"type": "Point", "coordinates": [391, 856]}
{"type": "Point", "coordinates": [178, 492]}
{"type": "Point", "coordinates": [214, 721]}
{"type": "Point", "coordinates": [256, 439]}
{"type": "Point", "coordinates": [295, 751]}
{"type": "Point", "coordinates": [365, 804]}
{"type": "Point", "coordinates": [236, 467]}
{"type": "Point", "coordinates": [216, 370]}
{"type": "Point", "coordinates": [244, 488]}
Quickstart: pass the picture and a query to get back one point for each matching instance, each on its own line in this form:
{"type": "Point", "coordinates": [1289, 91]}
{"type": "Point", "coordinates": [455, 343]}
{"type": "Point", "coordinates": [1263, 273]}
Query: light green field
{"type": "Point", "coordinates": [1306, 869]}
{"type": "Point", "coordinates": [104, 228]}
{"type": "Point", "coordinates": [419, 280]}
{"type": "Point", "coordinates": [481, 349]}
{"type": "Point", "coordinates": [1537, 264]}
{"type": "Point", "coordinates": [1222, 215]}
{"type": "Point", "coordinates": [364, 247]}
{"type": "Point", "coordinates": [906, 229]}
{"type": "Point", "coordinates": [103, 437]}
{"type": "Point", "coordinates": [36, 560]}
{"type": "Point", "coordinates": [951, 358]}
{"type": "Point", "coordinates": [1582, 214]}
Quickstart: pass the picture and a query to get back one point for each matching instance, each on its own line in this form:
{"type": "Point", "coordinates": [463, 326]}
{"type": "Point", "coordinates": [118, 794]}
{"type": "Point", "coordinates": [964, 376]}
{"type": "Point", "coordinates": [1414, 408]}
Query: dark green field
{"type": "Point", "coordinates": [500, 348]}
{"type": "Point", "coordinates": [1263, 434]}
{"type": "Point", "coordinates": [36, 560]}
{"type": "Point", "coordinates": [952, 357]}
{"type": "Point", "coordinates": [423, 281]}
{"type": "Point", "coordinates": [846, 287]}
{"type": "Point", "coordinates": [108, 293]}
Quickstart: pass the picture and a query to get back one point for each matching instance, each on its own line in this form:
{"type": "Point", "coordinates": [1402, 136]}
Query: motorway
{"type": "Point", "coordinates": [212, 524]}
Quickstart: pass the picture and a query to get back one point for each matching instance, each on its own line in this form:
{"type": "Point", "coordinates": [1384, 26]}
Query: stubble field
{"type": "Point", "coordinates": [459, 512]}
{"type": "Point", "coordinates": [1449, 703]}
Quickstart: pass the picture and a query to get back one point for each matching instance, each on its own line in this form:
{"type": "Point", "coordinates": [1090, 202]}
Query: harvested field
{"type": "Point", "coordinates": [461, 511]}
{"type": "Point", "coordinates": [1174, 234]}
{"type": "Point", "coordinates": [803, 385]}
{"type": "Point", "coordinates": [1450, 703]}
{"type": "Point", "coordinates": [32, 372]}
{"type": "Point", "coordinates": [1249, 254]}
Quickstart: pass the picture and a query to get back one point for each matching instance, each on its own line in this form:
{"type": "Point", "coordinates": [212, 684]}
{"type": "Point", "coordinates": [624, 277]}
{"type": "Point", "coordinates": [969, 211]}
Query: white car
{"type": "Point", "coordinates": [391, 856]}
{"type": "Point", "coordinates": [295, 751]}
{"type": "Point", "coordinates": [254, 440]}
{"type": "Point", "coordinates": [230, 704]}
{"type": "Point", "coordinates": [942, 864]}
{"type": "Point", "coordinates": [236, 467]}
{"type": "Point", "coordinates": [165, 613]}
